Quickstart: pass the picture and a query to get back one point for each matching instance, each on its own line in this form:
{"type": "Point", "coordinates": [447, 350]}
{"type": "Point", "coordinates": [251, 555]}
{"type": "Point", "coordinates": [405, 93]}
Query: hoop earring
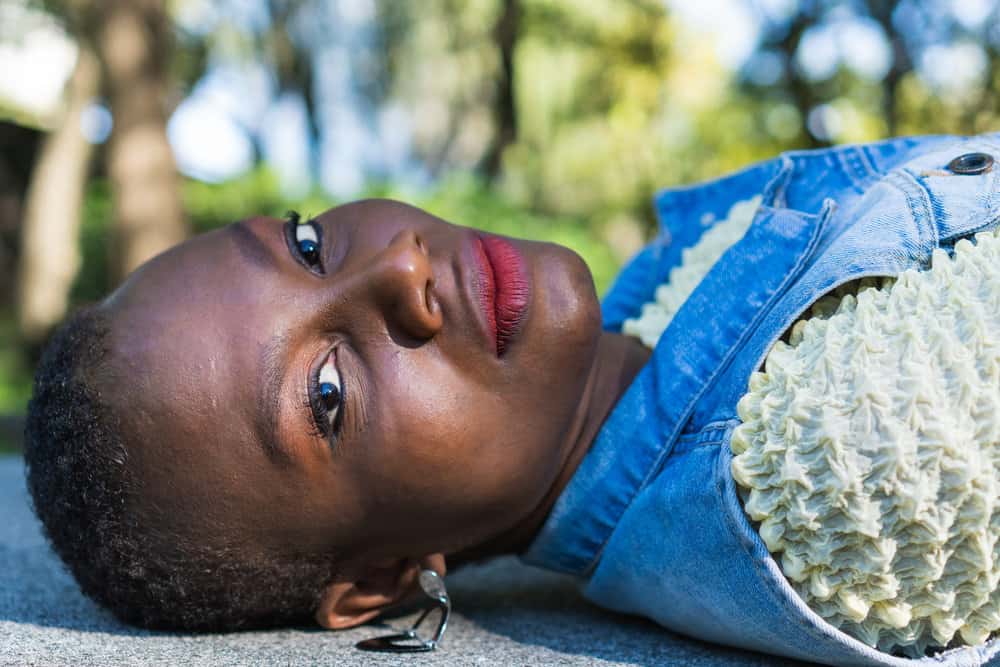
{"type": "Point", "coordinates": [409, 641]}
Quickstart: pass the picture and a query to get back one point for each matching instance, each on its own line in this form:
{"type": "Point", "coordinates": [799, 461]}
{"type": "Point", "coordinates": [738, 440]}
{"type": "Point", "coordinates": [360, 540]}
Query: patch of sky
{"type": "Point", "coordinates": [285, 141]}
{"type": "Point", "coordinates": [34, 62]}
{"type": "Point", "coordinates": [202, 17]}
{"type": "Point", "coordinates": [858, 43]}
{"type": "Point", "coordinates": [953, 68]}
{"type": "Point", "coordinates": [972, 13]}
{"type": "Point", "coordinates": [211, 130]}
{"type": "Point", "coordinates": [95, 122]}
{"type": "Point", "coordinates": [207, 144]}
{"type": "Point", "coordinates": [365, 135]}
{"type": "Point", "coordinates": [764, 68]}
{"type": "Point", "coordinates": [734, 25]}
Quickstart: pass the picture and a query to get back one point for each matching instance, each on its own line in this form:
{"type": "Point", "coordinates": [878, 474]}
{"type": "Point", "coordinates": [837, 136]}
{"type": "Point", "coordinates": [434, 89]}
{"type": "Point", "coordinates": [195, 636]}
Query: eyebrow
{"type": "Point", "coordinates": [272, 362]}
{"type": "Point", "coordinates": [250, 246]}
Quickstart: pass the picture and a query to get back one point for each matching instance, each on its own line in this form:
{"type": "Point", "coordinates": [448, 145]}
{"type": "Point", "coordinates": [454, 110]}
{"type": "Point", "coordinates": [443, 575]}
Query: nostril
{"type": "Point", "coordinates": [420, 243]}
{"type": "Point", "coordinates": [428, 295]}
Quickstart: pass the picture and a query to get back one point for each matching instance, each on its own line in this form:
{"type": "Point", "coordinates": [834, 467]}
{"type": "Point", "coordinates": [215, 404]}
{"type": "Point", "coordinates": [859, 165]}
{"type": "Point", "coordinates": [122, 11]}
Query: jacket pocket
{"type": "Point", "coordinates": [735, 300]}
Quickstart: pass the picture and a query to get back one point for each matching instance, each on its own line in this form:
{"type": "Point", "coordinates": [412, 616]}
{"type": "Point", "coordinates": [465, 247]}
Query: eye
{"type": "Point", "coordinates": [307, 242]}
{"type": "Point", "coordinates": [326, 396]}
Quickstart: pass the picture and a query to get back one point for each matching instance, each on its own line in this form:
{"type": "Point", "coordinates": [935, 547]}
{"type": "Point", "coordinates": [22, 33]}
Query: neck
{"type": "Point", "coordinates": [618, 360]}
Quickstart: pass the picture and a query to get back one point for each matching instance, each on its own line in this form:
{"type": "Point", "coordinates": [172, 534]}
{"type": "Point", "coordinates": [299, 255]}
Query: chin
{"type": "Point", "coordinates": [566, 311]}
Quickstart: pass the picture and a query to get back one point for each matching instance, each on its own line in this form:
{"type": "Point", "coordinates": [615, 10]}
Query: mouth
{"type": "Point", "coordinates": [504, 290]}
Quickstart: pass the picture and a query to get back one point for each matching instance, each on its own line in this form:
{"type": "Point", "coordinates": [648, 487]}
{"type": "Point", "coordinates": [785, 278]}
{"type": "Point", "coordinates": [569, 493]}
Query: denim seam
{"type": "Point", "coordinates": [704, 431]}
{"type": "Point", "coordinates": [707, 436]}
{"type": "Point", "coordinates": [794, 316]}
{"type": "Point", "coordinates": [918, 200]}
{"type": "Point", "coordinates": [723, 364]}
{"type": "Point", "coordinates": [854, 168]}
{"type": "Point", "coordinates": [933, 218]}
{"type": "Point", "coordinates": [773, 189]}
{"type": "Point", "coordinates": [927, 198]}
{"type": "Point", "coordinates": [672, 437]}
{"type": "Point", "coordinates": [775, 595]}
{"type": "Point", "coordinates": [773, 194]}
{"type": "Point", "coordinates": [865, 154]}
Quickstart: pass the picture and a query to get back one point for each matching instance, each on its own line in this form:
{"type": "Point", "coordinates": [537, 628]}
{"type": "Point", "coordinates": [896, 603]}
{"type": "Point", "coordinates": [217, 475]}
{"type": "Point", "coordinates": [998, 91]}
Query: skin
{"type": "Point", "coordinates": [444, 448]}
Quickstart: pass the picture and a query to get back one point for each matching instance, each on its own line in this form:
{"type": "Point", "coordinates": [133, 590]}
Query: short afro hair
{"type": "Point", "coordinates": [89, 501]}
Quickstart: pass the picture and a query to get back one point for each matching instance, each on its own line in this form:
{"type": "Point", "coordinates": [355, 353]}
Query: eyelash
{"type": "Point", "coordinates": [321, 425]}
{"type": "Point", "coordinates": [292, 225]}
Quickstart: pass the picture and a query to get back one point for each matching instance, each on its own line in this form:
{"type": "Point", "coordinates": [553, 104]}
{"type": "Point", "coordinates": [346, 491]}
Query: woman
{"type": "Point", "coordinates": [281, 420]}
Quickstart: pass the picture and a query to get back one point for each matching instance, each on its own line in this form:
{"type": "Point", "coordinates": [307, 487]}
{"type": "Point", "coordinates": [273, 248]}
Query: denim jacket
{"type": "Point", "coordinates": [651, 519]}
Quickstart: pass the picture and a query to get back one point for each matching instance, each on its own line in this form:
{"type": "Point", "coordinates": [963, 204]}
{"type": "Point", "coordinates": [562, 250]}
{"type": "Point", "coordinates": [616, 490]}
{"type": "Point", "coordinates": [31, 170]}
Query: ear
{"type": "Point", "coordinates": [346, 604]}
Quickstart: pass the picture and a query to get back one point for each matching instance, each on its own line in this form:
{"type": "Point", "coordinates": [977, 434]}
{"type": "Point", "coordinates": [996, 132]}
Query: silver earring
{"type": "Point", "coordinates": [409, 641]}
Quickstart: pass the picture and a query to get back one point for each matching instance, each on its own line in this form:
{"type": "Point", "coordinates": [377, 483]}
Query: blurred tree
{"type": "Point", "coordinates": [50, 257]}
{"type": "Point", "coordinates": [902, 63]}
{"type": "Point", "coordinates": [19, 146]}
{"type": "Point", "coordinates": [133, 41]}
{"type": "Point", "coordinates": [505, 33]}
{"type": "Point", "coordinates": [293, 65]}
{"type": "Point", "coordinates": [593, 90]}
{"type": "Point", "coordinates": [939, 73]}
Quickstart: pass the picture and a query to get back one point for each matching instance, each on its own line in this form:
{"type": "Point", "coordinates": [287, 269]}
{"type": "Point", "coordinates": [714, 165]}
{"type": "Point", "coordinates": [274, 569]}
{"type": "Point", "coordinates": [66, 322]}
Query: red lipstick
{"type": "Point", "coordinates": [505, 290]}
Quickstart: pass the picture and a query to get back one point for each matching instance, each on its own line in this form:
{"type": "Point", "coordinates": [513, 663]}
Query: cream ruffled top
{"type": "Point", "coordinates": [684, 278]}
{"type": "Point", "coordinates": [869, 452]}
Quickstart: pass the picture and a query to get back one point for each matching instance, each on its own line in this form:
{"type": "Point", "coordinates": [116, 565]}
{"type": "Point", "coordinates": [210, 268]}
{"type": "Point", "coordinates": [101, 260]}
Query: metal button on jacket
{"type": "Point", "coordinates": [971, 163]}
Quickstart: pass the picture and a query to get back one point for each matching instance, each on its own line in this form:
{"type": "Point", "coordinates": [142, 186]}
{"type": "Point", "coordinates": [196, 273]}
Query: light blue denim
{"type": "Point", "coordinates": [651, 520]}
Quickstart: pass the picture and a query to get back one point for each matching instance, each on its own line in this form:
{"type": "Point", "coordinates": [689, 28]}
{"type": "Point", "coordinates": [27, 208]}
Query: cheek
{"type": "Point", "coordinates": [452, 447]}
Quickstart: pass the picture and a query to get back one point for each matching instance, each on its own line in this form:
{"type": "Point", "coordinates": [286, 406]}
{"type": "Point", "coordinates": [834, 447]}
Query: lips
{"type": "Point", "coordinates": [504, 290]}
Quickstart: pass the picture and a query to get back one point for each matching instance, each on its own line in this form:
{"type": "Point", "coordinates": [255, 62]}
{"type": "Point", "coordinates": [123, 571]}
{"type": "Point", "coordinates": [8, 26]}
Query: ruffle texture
{"type": "Point", "coordinates": [684, 278]}
{"type": "Point", "coordinates": [870, 454]}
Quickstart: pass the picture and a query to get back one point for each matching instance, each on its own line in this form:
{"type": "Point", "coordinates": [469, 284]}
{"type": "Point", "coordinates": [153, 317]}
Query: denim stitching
{"type": "Point", "coordinates": [992, 187]}
{"type": "Point", "coordinates": [918, 200]}
{"type": "Point", "coordinates": [671, 440]}
{"type": "Point", "coordinates": [854, 168]}
{"type": "Point", "coordinates": [867, 155]}
{"type": "Point", "coordinates": [792, 274]}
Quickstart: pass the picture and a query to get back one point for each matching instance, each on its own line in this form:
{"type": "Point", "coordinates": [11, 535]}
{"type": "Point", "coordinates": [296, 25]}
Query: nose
{"type": "Point", "coordinates": [402, 280]}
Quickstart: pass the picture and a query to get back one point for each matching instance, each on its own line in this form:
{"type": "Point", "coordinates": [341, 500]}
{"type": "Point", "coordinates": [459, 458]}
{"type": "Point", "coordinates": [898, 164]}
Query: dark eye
{"type": "Point", "coordinates": [329, 393]}
{"type": "Point", "coordinates": [307, 243]}
{"type": "Point", "coordinates": [327, 396]}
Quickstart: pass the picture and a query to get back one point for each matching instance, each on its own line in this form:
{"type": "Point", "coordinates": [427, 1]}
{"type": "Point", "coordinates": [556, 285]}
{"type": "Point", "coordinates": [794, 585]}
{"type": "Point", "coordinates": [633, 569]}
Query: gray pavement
{"type": "Point", "coordinates": [504, 614]}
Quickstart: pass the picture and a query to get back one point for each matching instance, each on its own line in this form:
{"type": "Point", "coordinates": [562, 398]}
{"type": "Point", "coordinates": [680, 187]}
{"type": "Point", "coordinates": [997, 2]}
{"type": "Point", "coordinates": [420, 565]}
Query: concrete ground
{"type": "Point", "coordinates": [504, 614]}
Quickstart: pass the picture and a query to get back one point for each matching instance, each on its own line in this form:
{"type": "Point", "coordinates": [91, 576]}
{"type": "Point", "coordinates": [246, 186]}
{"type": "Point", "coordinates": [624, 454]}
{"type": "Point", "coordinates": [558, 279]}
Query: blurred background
{"type": "Point", "coordinates": [127, 125]}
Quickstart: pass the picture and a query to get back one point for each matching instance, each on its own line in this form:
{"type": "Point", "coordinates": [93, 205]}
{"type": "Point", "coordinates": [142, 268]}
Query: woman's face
{"type": "Point", "coordinates": [460, 360]}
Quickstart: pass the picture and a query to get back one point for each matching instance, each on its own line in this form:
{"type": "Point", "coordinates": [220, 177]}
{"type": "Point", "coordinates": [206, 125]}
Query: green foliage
{"type": "Point", "coordinates": [94, 279]}
{"type": "Point", "coordinates": [614, 100]}
{"type": "Point", "coordinates": [459, 198]}
{"type": "Point", "coordinates": [15, 372]}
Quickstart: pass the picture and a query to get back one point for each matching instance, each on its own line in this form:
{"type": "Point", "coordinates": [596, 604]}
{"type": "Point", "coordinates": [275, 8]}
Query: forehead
{"type": "Point", "coordinates": [183, 346]}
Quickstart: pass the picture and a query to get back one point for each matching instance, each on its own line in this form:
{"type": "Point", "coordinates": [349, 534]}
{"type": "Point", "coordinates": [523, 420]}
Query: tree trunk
{"type": "Point", "coordinates": [50, 252]}
{"type": "Point", "coordinates": [505, 34]}
{"type": "Point", "coordinates": [881, 11]}
{"type": "Point", "coordinates": [133, 41]}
